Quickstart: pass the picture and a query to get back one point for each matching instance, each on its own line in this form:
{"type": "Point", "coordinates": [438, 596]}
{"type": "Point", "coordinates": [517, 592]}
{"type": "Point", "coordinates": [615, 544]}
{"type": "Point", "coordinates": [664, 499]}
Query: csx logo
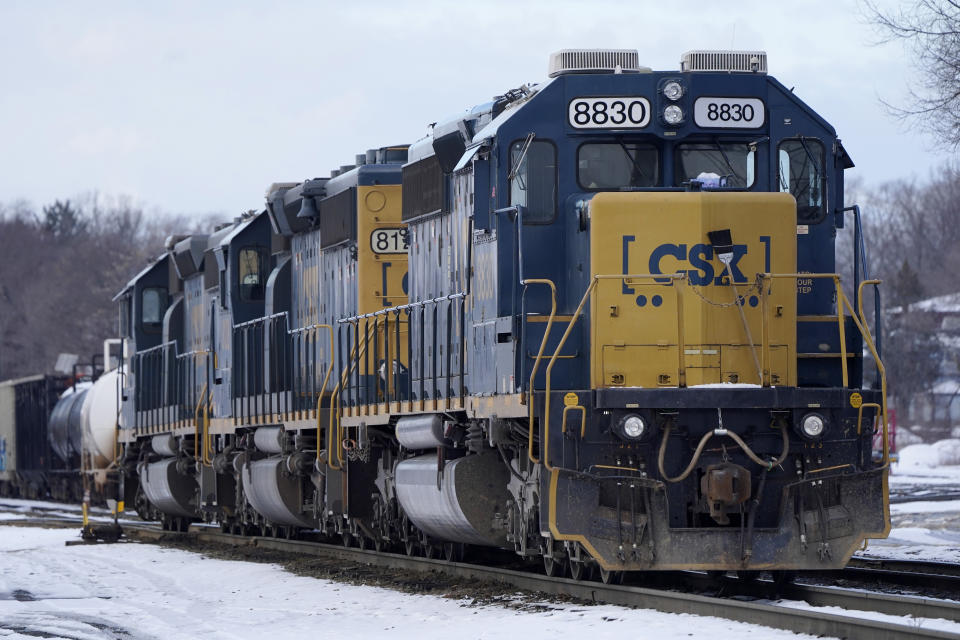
{"type": "Point", "coordinates": [706, 270]}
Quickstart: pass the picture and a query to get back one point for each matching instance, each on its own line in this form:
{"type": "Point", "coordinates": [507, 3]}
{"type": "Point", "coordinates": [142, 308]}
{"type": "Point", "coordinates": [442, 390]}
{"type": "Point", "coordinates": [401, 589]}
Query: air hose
{"type": "Point", "coordinates": [766, 464]}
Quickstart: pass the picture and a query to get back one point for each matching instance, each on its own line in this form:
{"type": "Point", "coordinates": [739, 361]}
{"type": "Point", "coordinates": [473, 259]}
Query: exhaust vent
{"type": "Point", "coordinates": [731, 61]}
{"type": "Point", "coordinates": [595, 61]}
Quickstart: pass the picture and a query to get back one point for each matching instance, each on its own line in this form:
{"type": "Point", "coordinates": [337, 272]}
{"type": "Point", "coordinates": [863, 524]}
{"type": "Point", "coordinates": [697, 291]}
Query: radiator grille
{"type": "Point", "coordinates": [594, 61]}
{"type": "Point", "coordinates": [742, 61]}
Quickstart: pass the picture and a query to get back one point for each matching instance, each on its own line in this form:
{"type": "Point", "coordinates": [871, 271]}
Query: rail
{"type": "Point", "coordinates": [672, 592]}
{"type": "Point", "coordinates": [764, 281]}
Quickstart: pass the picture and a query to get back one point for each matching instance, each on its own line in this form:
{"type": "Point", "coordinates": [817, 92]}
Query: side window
{"type": "Point", "coordinates": [533, 183]}
{"type": "Point", "coordinates": [800, 171]}
{"type": "Point", "coordinates": [251, 273]}
{"type": "Point", "coordinates": [153, 304]}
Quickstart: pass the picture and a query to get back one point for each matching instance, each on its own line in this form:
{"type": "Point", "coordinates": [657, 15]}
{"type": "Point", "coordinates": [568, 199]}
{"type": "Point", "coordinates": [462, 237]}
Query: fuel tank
{"type": "Point", "coordinates": [472, 491]}
{"type": "Point", "coordinates": [98, 419]}
{"type": "Point", "coordinates": [167, 489]}
{"type": "Point", "coordinates": [275, 493]}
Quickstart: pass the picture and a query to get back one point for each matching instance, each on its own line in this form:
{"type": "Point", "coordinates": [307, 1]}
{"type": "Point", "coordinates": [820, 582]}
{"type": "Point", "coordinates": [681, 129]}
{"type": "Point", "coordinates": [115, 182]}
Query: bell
{"type": "Point", "coordinates": [308, 208]}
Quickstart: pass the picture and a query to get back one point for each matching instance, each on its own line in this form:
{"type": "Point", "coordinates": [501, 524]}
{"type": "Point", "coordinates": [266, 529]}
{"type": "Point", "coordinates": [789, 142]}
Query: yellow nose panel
{"type": "Point", "coordinates": [653, 331]}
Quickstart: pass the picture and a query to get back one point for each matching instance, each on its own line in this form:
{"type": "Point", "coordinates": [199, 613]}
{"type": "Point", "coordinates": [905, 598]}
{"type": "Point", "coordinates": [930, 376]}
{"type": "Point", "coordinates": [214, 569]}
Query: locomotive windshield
{"type": "Point", "coordinates": [616, 165]}
{"type": "Point", "coordinates": [716, 165]}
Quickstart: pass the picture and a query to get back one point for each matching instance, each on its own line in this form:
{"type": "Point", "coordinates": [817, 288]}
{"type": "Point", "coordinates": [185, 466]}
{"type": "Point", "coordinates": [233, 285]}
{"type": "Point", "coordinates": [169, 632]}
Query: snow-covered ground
{"type": "Point", "coordinates": [144, 591]}
{"type": "Point", "coordinates": [923, 529]}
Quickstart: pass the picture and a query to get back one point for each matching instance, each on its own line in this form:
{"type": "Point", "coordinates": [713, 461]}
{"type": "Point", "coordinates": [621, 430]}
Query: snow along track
{"type": "Point", "coordinates": [787, 617]}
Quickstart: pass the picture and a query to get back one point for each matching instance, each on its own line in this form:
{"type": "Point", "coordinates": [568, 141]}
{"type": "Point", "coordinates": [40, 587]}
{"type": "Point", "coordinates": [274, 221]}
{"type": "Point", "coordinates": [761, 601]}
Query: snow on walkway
{"type": "Point", "coordinates": [143, 591]}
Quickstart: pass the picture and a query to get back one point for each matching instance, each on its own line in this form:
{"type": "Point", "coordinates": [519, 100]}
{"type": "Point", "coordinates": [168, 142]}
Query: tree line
{"type": "Point", "coordinates": [61, 265]}
{"type": "Point", "coordinates": [912, 233]}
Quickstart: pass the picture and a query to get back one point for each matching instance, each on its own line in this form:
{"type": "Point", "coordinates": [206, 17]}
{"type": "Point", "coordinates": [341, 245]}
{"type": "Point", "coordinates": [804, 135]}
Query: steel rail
{"type": "Point", "coordinates": [667, 601]}
{"type": "Point", "coordinates": [812, 622]}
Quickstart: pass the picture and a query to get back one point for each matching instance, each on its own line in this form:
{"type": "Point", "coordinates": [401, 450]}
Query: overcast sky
{"type": "Point", "coordinates": [196, 107]}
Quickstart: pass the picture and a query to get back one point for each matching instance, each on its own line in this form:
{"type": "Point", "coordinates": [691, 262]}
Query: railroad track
{"type": "Point", "coordinates": [686, 592]}
{"type": "Point", "coordinates": [759, 612]}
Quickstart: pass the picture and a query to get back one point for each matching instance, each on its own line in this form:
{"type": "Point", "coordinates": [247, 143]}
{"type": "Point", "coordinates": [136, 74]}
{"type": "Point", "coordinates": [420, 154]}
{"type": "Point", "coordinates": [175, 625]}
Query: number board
{"type": "Point", "coordinates": [729, 113]}
{"type": "Point", "coordinates": [616, 112]}
{"type": "Point", "coordinates": [389, 241]}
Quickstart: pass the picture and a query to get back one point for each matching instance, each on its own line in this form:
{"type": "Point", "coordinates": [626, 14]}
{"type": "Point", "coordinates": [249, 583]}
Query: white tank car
{"type": "Point", "coordinates": [99, 420]}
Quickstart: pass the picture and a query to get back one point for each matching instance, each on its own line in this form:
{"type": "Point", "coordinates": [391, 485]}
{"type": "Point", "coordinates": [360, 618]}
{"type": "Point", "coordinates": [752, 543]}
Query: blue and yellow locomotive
{"type": "Point", "coordinates": [596, 320]}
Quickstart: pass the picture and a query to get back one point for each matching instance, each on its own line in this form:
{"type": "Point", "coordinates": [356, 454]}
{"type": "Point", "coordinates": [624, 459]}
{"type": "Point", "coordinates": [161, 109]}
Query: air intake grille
{"type": "Point", "coordinates": [594, 61]}
{"type": "Point", "coordinates": [742, 61]}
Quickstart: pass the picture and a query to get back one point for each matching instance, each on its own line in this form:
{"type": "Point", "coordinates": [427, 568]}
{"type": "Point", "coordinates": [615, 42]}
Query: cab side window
{"type": "Point", "coordinates": [533, 179]}
{"type": "Point", "coordinates": [153, 304]}
{"type": "Point", "coordinates": [800, 172]}
{"type": "Point", "coordinates": [251, 273]}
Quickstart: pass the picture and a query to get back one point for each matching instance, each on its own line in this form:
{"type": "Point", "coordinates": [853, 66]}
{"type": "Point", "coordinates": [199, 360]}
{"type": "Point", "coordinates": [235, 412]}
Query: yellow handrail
{"type": "Point", "coordinates": [868, 336]}
{"type": "Point", "coordinates": [536, 363]}
{"type": "Point", "coordinates": [335, 401]}
{"type": "Point", "coordinates": [675, 277]}
{"type": "Point", "coordinates": [326, 377]}
{"type": "Point", "coordinates": [198, 435]}
{"type": "Point", "coordinates": [857, 316]}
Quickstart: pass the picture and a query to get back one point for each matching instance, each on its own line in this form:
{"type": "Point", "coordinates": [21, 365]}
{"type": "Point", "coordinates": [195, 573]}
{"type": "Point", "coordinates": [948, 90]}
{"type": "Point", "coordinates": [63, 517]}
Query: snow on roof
{"type": "Point", "coordinates": [949, 303]}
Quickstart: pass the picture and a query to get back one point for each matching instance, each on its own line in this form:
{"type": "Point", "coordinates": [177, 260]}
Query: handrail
{"type": "Point", "coordinates": [326, 377]}
{"type": "Point", "coordinates": [843, 303]}
{"type": "Point", "coordinates": [402, 307]}
{"type": "Point", "coordinates": [536, 363]}
{"type": "Point", "coordinates": [335, 403]}
{"type": "Point", "coordinates": [865, 329]}
{"type": "Point", "coordinates": [676, 277]}
{"type": "Point", "coordinates": [196, 426]}
{"type": "Point", "coordinates": [841, 325]}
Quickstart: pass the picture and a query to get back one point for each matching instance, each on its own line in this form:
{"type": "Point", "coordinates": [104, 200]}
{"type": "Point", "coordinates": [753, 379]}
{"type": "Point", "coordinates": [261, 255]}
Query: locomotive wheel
{"type": "Point", "coordinates": [410, 546]}
{"type": "Point", "coordinates": [431, 550]}
{"type": "Point", "coordinates": [363, 542]}
{"type": "Point", "coordinates": [608, 576]}
{"type": "Point", "coordinates": [347, 538]}
{"type": "Point", "coordinates": [748, 576]}
{"type": "Point", "coordinates": [453, 552]}
{"type": "Point", "coordinates": [783, 578]}
{"type": "Point", "coordinates": [553, 566]}
{"type": "Point", "coordinates": [580, 570]}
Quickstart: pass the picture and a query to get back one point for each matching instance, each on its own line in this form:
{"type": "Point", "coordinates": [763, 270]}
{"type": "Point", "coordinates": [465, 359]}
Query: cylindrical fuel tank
{"type": "Point", "coordinates": [64, 429]}
{"type": "Point", "coordinates": [99, 419]}
{"type": "Point", "coordinates": [420, 432]}
{"type": "Point", "coordinates": [168, 490]}
{"type": "Point", "coordinates": [472, 490]}
{"type": "Point", "coordinates": [274, 493]}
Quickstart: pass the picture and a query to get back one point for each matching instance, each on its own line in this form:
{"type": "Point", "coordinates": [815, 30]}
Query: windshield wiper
{"type": "Point", "coordinates": [723, 153]}
{"type": "Point", "coordinates": [633, 159]}
{"type": "Point", "coordinates": [816, 167]}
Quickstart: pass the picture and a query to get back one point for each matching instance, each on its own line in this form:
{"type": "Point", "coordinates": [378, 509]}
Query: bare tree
{"type": "Point", "coordinates": [930, 29]}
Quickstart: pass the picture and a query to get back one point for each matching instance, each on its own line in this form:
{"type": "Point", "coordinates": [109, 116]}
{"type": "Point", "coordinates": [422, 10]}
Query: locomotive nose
{"type": "Point", "coordinates": [683, 268]}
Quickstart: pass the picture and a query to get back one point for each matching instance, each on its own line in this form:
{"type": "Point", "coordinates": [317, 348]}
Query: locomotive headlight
{"type": "Point", "coordinates": [633, 427]}
{"type": "Point", "coordinates": [672, 90]}
{"type": "Point", "coordinates": [673, 114]}
{"type": "Point", "coordinates": [812, 425]}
